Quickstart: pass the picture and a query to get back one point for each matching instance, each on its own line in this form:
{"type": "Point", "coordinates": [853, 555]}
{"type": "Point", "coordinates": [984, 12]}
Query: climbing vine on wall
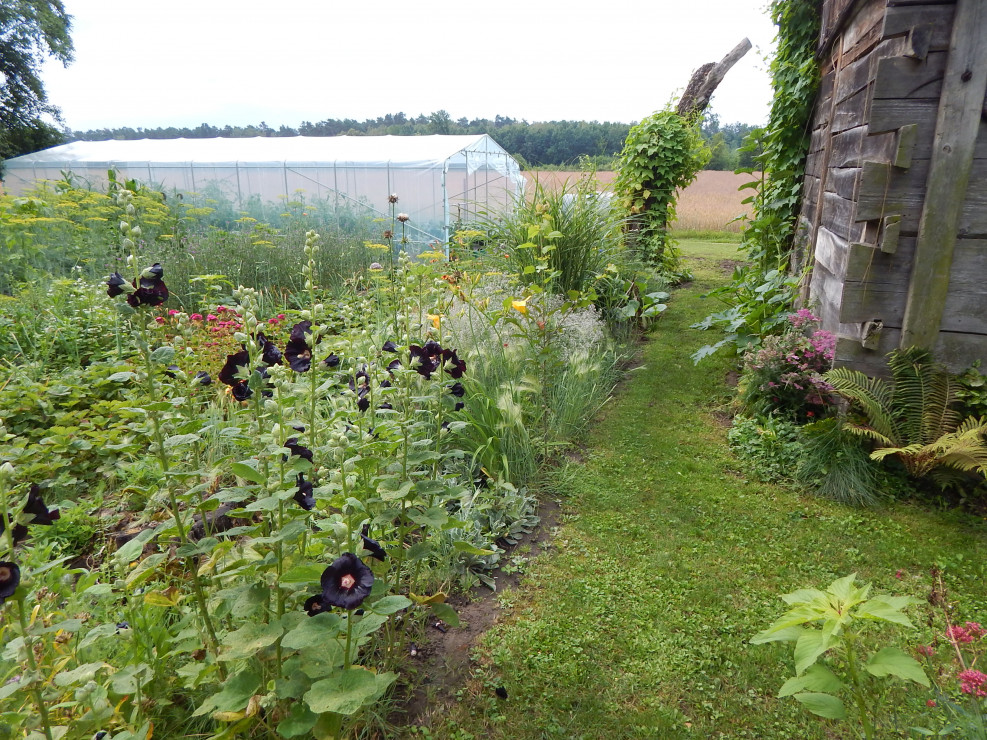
{"type": "Point", "coordinates": [663, 153]}
{"type": "Point", "coordinates": [761, 295]}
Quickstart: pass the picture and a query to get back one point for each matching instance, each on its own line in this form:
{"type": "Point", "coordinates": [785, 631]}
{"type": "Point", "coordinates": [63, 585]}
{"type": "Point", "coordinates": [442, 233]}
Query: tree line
{"type": "Point", "coordinates": [568, 144]}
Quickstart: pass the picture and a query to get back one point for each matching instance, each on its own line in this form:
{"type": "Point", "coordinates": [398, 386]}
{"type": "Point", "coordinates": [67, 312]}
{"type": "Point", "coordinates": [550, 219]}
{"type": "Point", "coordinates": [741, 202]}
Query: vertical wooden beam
{"type": "Point", "coordinates": [957, 123]}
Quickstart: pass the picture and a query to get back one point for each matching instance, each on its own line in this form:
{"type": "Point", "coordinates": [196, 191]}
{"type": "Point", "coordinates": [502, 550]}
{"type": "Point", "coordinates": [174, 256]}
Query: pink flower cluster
{"type": "Point", "coordinates": [972, 682]}
{"type": "Point", "coordinates": [231, 322]}
{"type": "Point", "coordinates": [972, 631]}
{"type": "Point", "coordinates": [801, 318]}
{"type": "Point", "coordinates": [277, 319]}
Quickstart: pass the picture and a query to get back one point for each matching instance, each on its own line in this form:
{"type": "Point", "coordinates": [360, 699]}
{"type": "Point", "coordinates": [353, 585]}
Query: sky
{"type": "Point", "coordinates": [159, 63]}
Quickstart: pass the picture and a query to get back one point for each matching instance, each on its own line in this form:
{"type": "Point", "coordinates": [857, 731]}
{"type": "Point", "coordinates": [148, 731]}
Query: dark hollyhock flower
{"type": "Point", "coordinates": [202, 378]}
{"type": "Point", "coordinates": [305, 496]}
{"type": "Point", "coordinates": [347, 582]}
{"type": "Point", "coordinates": [241, 391]}
{"type": "Point", "coordinates": [114, 285]}
{"type": "Point", "coordinates": [296, 449]}
{"type": "Point", "coordinates": [270, 354]}
{"type": "Point", "coordinates": [315, 605]}
{"type": "Point", "coordinates": [297, 351]}
{"type": "Point", "coordinates": [385, 407]}
{"type": "Point", "coordinates": [385, 383]}
{"type": "Point", "coordinates": [236, 364]}
{"type": "Point", "coordinates": [453, 365]}
{"type": "Point", "coordinates": [262, 373]}
{"type": "Point", "coordinates": [457, 390]}
{"type": "Point", "coordinates": [373, 546]}
{"type": "Point", "coordinates": [363, 403]}
{"type": "Point", "coordinates": [459, 406]}
{"type": "Point", "coordinates": [171, 370]}
{"type": "Point", "coordinates": [10, 578]}
{"type": "Point", "coordinates": [427, 358]}
{"type": "Point", "coordinates": [389, 346]}
{"type": "Point", "coordinates": [151, 290]}
{"type": "Point", "coordinates": [35, 506]}
{"type": "Point", "coordinates": [392, 366]}
{"type": "Point", "coordinates": [332, 360]}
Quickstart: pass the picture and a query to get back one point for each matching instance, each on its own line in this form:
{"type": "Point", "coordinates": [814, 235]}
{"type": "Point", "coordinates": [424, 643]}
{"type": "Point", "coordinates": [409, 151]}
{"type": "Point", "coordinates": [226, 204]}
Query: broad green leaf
{"type": "Point", "coordinates": [786, 634]}
{"type": "Point", "coordinates": [893, 662]}
{"type": "Point", "coordinates": [234, 696]}
{"type": "Point", "coordinates": [163, 355]}
{"type": "Point", "coordinates": [461, 546]}
{"type": "Point", "coordinates": [368, 624]}
{"type": "Point", "coordinates": [882, 608]}
{"type": "Point", "coordinates": [247, 472]}
{"type": "Point", "coordinates": [823, 705]}
{"type": "Point", "coordinates": [122, 376]}
{"type": "Point", "coordinates": [180, 440]}
{"type": "Point", "coordinates": [809, 647]}
{"type": "Point", "coordinates": [391, 604]}
{"type": "Point", "coordinates": [303, 574]}
{"type": "Point", "coordinates": [298, 722]}
{"type": "Point", "coordinates": [347, 692]}
{"type": "Point", "coordinates": [434, 517]}
{"type": "Point", "coordinates": [816, 678]}
{"type": "Point", "coordinates": [80, 675]}
{"type": "Point", "coordinates": [248, 640]}
{"type": "Point", "coordinates": [132, 549]}
{"type": "Point", "coordinates": [446, 613]}
{"type": "Point", "coordinates": [313, 631]}
{"type": "Point", "coordinates": [805, 596]}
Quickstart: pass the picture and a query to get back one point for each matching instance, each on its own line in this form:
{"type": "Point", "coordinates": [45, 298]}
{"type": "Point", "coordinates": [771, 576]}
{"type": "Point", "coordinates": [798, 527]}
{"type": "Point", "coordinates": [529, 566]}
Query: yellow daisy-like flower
{"type": "Point", "coordinates": [436, 319]}
{"type": "Point", "coordinates": [520, 306]}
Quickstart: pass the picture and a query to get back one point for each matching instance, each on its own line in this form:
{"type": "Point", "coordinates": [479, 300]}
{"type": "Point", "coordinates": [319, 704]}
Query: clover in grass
{"type": "Point", "coordinates": [347, 582]}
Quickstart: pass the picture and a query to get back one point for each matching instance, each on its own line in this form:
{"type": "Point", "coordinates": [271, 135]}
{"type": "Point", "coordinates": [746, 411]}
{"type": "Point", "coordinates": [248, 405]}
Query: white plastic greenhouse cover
{"type": "Point", "coordinates": [439, 179]}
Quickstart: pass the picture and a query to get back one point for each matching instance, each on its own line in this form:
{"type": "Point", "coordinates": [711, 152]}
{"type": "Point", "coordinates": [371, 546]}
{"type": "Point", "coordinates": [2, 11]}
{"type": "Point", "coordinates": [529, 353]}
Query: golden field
{"type": "Point", "coordinates": [710, 203]}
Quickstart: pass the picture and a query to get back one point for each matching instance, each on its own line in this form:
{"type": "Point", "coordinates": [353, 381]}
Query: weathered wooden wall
{"type": "Point", "coordinates": [864, 191]}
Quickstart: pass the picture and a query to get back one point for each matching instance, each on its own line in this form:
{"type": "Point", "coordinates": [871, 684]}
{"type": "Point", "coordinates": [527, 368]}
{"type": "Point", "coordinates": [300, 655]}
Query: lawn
{"type": "Point", "coordinates": [636, 622]}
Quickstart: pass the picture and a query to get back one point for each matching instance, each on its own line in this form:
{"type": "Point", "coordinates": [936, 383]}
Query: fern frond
{"type": "Point", "coordinates": [862, 430]}
{"type": "Point", "coordinates": [873, 395]}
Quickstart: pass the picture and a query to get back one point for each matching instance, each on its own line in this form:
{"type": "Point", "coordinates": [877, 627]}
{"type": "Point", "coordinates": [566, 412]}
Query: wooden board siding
{"type": "Point", "coordinates": [872, 147]}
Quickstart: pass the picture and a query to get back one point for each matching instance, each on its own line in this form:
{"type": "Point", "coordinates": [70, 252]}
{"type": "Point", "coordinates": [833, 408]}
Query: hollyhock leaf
{"type": "Point", "coordinates": [391, 604]}
{"type": "Point", "coordinates": [249, 639]}
{"type": "Point", "coordinates": [235, 694]}
{"type": "Point", "coordinates": [314, 631]}
{"type": "Point", "coordinates": [469, 549]}
{"type": "Point", "coordinates": [446, 613]}
{"type": "Point", "coordinates": [163, 355]}
{"type": "Point", "coordinates": [348, 691]}
{"type": "Point", "coordinates": [300, 721]}
{"type": "Point", "coordinates": [247, 472]}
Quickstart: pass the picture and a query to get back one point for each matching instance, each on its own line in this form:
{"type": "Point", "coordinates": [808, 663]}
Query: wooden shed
{"type": "Point", "coordinates": [894, 211]}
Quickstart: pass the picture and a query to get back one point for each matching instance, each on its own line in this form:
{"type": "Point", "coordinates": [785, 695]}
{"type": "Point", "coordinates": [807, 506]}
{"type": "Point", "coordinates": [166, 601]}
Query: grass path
{"type": "Point", "coordinates": [667, 560]}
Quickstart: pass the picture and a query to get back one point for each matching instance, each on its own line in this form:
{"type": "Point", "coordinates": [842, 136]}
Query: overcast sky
{"type": "Point", "coordinates": [157, 63]}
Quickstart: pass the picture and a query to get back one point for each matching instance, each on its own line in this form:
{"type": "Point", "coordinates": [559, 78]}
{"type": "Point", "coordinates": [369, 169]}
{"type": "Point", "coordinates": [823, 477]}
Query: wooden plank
{"type": "Point", "coordinates": [864, 302]}
{"type": "Point", "coordinates": [957, 124]}
{"type": "Point", "coordinates": [853, 78]}
{"type": "Point", "coordinates": [890, 234]}
{"type": "Point", "coordinates": [850, 353]}
{"type": "Point", "coordinates": [851, 112]}
{"type": "Point", "coordinates": [864, 30]}
{"type": "Point", "coordinates": [869, 265]}
{"type": "Point", "coordinates": [831, 252]}
{"type": "Point", "coordinates": [905, 146]}
{"type": "Point", "coordinates": [890, 115]}
{"type": "Point", "coordinates": [837, 214]}
{"type": "Point", "coordinates": [900, 20]}
{"type": "Point", "coordinates": [852, 147]}
{"type": "Point", "coordinates": [843, 181]}
{"type": "Point", "coordinates": [825, 293]}
{"type": "Point", "coordinates": [901, 77]}
{"type": "Point", "coordinates": [958, 351]}
{"type": "Point", "coordinates": [966, 304]}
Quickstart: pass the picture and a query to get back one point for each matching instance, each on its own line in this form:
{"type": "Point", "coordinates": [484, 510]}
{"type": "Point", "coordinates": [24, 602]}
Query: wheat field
{"type": "Point", "coordinates": [710, 203]}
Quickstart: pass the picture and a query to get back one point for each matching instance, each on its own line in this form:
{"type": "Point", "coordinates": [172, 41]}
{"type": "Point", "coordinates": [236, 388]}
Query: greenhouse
{"type": "Point", "coordinates": [441, 180]}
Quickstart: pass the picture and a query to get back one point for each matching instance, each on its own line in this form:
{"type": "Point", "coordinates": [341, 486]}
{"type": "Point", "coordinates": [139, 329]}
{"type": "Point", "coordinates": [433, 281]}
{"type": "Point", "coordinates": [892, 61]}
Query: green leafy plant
{"type": "Point", "coordinates": [831, 651]}
{"type": "Point", "coordinates": [770, 446]}
{"type": "Point", "coordinates": [912, 417]}
{"type": "Point", "coordinates": [663, 154]}
{"type": "Point", "coordinates": [835, 464]}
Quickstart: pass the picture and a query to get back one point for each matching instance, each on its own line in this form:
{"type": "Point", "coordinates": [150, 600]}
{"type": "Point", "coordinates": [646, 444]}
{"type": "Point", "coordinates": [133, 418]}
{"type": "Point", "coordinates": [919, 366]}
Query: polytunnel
{"type": "Point", "coordinates": [441, 181]}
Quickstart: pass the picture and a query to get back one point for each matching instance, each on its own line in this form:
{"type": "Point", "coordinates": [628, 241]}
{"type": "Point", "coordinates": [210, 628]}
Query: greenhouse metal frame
{"type": "Point", "coordinates": [440, 180]}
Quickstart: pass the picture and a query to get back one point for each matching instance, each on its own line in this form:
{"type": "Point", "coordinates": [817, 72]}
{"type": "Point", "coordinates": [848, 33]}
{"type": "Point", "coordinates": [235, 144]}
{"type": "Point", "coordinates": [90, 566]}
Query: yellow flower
{"type": "Point", "coordinates": [520, 306]}
{"type": "Point", "coordinates": [436, 320]}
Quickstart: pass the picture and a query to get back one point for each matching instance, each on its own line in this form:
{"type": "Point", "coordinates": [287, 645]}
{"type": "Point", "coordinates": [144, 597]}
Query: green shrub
{"type": "Point", "coordinates": [771, 447]}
